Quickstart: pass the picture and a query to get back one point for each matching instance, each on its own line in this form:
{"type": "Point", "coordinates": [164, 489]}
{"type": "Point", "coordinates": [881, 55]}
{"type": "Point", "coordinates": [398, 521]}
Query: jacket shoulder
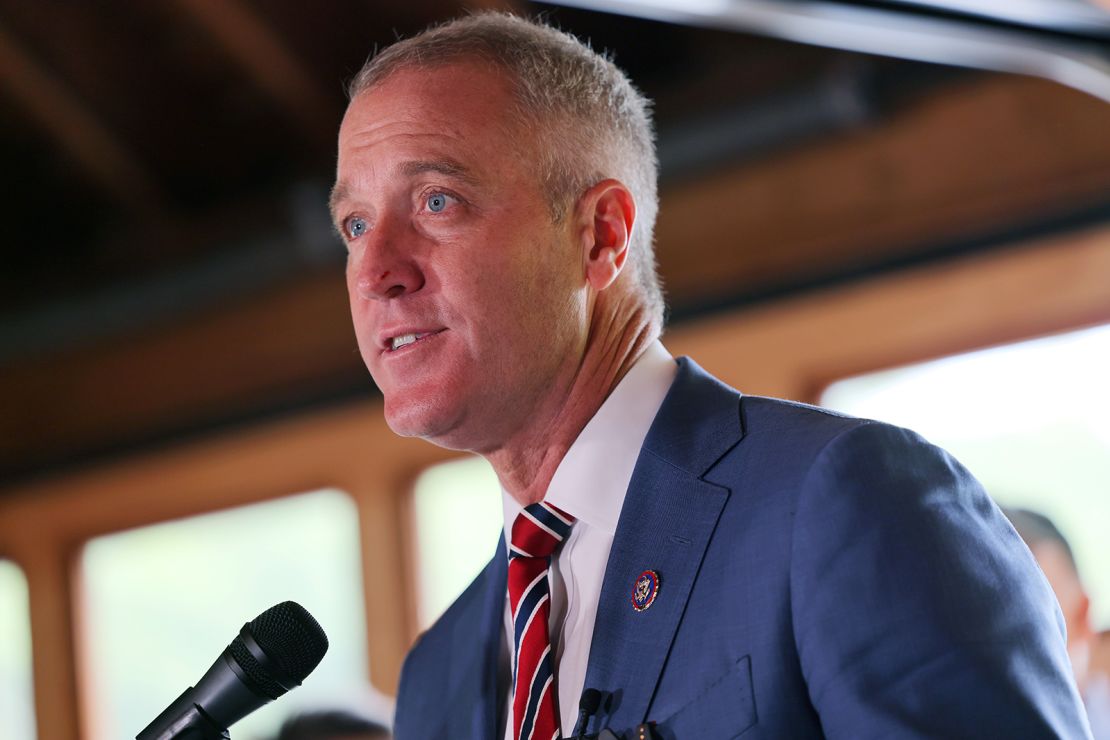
{"type": "Point", "coordinates": [774, 427]}
{"type": "Point", "coordinates": [703, 421]}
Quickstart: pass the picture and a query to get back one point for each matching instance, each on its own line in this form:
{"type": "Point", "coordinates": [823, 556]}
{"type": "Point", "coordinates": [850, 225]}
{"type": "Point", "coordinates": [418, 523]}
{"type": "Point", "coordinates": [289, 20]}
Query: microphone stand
{"type": "Point", "coordinates": [183, 720]}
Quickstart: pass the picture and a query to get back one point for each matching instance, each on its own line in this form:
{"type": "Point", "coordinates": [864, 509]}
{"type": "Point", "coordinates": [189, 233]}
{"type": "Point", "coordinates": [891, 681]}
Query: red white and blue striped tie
{"type": "Point", "coordinates": [537, 531]}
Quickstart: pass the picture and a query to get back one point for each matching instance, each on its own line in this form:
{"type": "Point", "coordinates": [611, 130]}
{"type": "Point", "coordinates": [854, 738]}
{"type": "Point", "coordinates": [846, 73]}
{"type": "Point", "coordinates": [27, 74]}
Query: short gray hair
{"type": "Point", "coordinates": [590, 121]}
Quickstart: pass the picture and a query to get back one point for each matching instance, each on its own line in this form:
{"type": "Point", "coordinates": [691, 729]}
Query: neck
{"type": "Point", "coordinates": [527, 463]}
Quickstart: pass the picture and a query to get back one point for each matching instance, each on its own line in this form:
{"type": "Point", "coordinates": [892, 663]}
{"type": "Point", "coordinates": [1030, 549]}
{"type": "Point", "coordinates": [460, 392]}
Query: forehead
{"type": "Point", "coordinates": [462, 106]}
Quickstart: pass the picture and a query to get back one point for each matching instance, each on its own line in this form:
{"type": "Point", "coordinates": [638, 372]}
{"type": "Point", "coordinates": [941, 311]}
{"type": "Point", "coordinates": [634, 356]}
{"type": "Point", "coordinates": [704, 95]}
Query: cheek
{"type": "Point", "coordinates": [356, 304]}
{"type": "Point", "coordinates": [351, 278]}
{"type": "Point", "coordinates": [362, 323]}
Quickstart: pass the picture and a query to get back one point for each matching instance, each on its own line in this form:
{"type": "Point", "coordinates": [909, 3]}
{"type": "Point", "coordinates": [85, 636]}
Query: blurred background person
{"type": "Point", "coordinates": [1100, 653]}
{"type": "Point", "coordinates": [1054, 555]}
{"type": "Point", "coordinates": [1098, 684]}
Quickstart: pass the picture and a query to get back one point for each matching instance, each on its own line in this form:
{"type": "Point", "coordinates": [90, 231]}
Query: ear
{"type": "Point", "coordinates": [605, 215]}
{"type": "Point", "coordinates": [1083, 611]}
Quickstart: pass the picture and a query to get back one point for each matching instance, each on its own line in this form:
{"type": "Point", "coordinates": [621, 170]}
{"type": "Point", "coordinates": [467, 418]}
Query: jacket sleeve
{"type": "Point", "coordinates": [917, 610]}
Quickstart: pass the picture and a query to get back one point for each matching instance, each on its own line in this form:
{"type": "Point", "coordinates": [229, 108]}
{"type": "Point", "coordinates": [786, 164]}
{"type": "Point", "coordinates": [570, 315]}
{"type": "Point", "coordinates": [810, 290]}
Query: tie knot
{"type": "Point", "coordinates": [538, 530]}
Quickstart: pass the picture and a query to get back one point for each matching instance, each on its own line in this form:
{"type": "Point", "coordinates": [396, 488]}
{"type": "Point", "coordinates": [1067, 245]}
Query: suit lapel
{"type": "Point", "coordinates": [668, 518]}
{"type": "Point", "coordinates": [630, 647]}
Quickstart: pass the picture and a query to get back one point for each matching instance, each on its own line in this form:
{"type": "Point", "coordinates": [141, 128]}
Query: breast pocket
{"type": "Point", "coordinates": [722, 711]}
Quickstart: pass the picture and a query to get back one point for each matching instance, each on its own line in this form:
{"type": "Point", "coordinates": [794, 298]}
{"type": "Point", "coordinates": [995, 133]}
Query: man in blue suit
{"type": "Point", "coordinates": [734, 566]}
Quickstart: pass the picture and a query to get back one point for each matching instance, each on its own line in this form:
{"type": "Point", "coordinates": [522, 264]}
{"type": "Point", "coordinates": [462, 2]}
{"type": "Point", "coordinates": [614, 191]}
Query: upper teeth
{"type": "Point", "coordinates": [404, 339]}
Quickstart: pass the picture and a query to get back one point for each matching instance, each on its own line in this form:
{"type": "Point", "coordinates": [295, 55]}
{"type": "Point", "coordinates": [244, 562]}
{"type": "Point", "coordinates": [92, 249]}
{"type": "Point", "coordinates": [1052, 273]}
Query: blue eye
{"type": "Point", "coordinates": [356, 227]}
{"type": "Point", "coordinates": [437, 202]}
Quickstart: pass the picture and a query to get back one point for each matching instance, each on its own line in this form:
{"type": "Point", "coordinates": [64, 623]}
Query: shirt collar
{"type": "Point", "coordinates": [592, 478]}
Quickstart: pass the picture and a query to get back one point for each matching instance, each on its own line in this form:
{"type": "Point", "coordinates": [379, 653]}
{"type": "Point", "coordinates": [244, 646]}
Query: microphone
{"type": "Point", "coordinates": [587, 707]}
{"type": "Point", "coordinates": [271, 655]}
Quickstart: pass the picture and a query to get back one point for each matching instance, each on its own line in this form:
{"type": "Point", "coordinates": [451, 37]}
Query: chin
{"type": "Point", "coordinates": [427, 418]}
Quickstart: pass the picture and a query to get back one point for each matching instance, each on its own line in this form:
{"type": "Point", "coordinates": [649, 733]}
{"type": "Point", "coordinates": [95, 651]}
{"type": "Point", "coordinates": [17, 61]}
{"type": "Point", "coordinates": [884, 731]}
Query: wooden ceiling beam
{"type": "Point", "coordinates": [222, 362]}
{"type": "Point", "coordinates": [971, 159]}
{"type": "Point", "coordinates": [269, 63]}
{"type": "Point", "coordinates": [794, 348]}
{"type": "Point", "coordinates": [76, 128]}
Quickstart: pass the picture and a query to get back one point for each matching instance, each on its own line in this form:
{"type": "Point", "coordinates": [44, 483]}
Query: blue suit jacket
{"type": "Point", "coordinates": [820, 576]}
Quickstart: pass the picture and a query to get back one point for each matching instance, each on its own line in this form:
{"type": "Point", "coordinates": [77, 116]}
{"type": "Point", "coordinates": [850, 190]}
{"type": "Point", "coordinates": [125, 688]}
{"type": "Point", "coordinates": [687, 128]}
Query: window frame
{"type": "Point", "coordinates": [45, 524]}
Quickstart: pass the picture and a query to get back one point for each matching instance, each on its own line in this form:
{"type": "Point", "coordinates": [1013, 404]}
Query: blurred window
{"type": "Point", "coordinates": [458, 524]}
{"type": "Point", "coordinates": [162, 602]}
{"type": "Point", "coordinates": [16, 699]}
{"type": "Point", "coordinates": [1030, 420]}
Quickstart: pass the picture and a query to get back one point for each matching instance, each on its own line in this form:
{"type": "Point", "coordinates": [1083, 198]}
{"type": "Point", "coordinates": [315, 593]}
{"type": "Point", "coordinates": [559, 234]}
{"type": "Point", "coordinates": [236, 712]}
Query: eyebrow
{"type": "Point", "coordinates": [448, 167]}
{"type": "Point", "coordinates": [341, 191]}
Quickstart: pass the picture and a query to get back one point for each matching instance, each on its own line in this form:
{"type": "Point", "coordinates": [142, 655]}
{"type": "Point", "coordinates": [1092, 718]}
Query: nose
{"type": "Point", "coordinates": [386, 269]}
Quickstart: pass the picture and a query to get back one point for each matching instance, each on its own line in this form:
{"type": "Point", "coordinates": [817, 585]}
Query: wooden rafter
{"type": "Point", "coordinates": [104, 157]}
{"type": "Point", "coordinates": [258, 50]}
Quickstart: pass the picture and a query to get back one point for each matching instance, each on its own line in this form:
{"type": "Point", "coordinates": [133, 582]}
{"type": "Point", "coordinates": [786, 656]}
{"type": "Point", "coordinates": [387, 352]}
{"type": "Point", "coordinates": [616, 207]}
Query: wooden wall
{"type": "Point", "coordinates": [790, 348]}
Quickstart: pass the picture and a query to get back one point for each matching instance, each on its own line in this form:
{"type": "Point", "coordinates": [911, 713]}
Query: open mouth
{"type": "Point", "coordinates": [407, 340]}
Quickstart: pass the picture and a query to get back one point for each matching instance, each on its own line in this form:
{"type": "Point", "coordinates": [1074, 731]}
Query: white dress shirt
{"type": "Point", "coordinates": [590, 484]}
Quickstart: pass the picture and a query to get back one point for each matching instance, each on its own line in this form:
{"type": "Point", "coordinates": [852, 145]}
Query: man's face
{"type": "Point", "coordinates": [451, 243]}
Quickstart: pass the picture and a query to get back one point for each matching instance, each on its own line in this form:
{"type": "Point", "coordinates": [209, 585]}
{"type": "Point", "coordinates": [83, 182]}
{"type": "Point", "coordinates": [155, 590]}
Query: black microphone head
{"type": "Point", "coordinates": [590, 702]}
{"type": "Point", "coordinates": [291, 638]}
